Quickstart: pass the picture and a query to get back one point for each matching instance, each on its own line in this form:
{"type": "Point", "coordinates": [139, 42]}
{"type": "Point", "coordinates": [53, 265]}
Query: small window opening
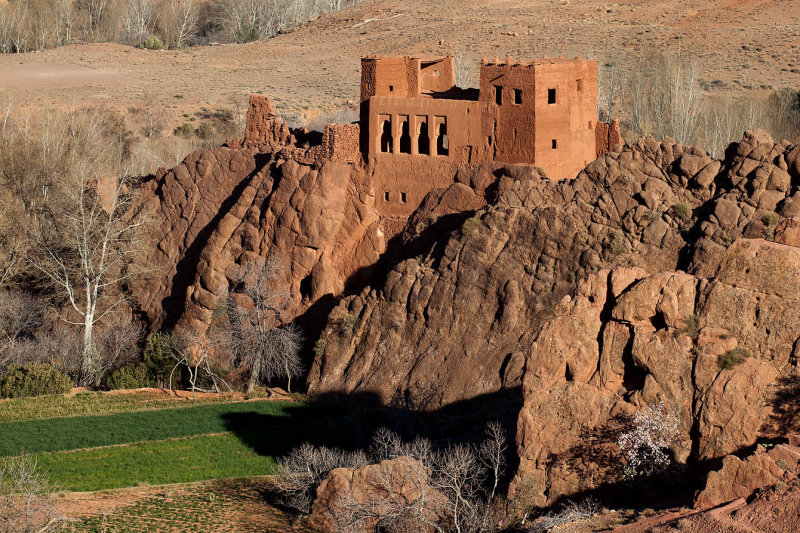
{"type": "Point", "coordinates": [498, 95]}
{"type": "Point", "coordinates": [489, 140]}
{"type": "Point", "coordinates": [405, 139]}
{"type": "Point", "coordinates": [391, 88]}
{"type": "Point", "coordinates": [386, 137]}
{"type": "Point", "coordinates": [590, 124]}
{"type": "Point", "coordinates": [551, 96]}
{"type": "Point", "coordinates": [517, 96]}
{"type": "Point", "coordinates": [403, 197]}
{"type": "Point", "coordinates": [580, 85]}
{"type": "Point", "coordinates": [386, 195]}
{"type": "Point", "coordinates": [436, 73]}
{"type": "Point", "coordinates": [423, 142]}
{"type": "Point", "coordinates": [555, 145]}
{"type": "Point", "coordinates": [442, 142]}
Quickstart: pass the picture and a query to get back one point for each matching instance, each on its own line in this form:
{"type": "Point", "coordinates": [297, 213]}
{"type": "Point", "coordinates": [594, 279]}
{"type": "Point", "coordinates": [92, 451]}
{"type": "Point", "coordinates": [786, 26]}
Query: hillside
{"type": "Point", "coordinates": [316, 66]}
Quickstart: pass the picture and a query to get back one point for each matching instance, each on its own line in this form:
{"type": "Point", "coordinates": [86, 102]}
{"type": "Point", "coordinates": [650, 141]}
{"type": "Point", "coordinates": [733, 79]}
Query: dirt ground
{"type": "Point", "coordinates": [743, 44]}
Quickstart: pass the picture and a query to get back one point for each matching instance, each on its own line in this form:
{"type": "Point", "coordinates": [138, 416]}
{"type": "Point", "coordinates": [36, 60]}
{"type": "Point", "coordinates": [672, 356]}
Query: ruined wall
{"type": "Point", "coordinates": [437, 75]}
{"type": "Point", "coordinates": [340, 143]}
{"type": "Point", "coordinates": [262, 127]}
{"type": "Point", "coordinates": [607, 136]}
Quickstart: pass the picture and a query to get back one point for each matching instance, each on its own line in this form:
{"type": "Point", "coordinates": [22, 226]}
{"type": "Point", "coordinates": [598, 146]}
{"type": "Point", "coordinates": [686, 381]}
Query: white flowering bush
{"type": "Point", "coordinates": [653, 430]}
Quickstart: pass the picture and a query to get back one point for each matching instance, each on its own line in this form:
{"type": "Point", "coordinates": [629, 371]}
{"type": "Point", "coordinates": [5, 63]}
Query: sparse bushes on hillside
{"type": "Point", "coordinates": [33, 380]}
{"type": "Point", "coordinates": [28, 25]}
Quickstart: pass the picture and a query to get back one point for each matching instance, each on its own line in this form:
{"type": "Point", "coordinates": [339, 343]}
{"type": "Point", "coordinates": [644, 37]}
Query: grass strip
{"type": "Point", "coordinates": [74, 433]}
{"type": "Point", "coordinates": [88, 403]}
{"type": "Point", "coordinates": [157, 463]}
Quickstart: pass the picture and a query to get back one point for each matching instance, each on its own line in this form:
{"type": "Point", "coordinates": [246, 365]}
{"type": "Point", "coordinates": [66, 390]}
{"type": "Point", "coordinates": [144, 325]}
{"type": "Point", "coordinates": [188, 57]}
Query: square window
{"type": "Point", "coordinates": [555, 145]}
{"type": "Point", "coordinates": [391, 88]}
{"type": "Point", "coordinates": [517, 96]}
{"type": "Point", "coordinates": [403, 197]}
{"type": "Point", "coordinates": [551, 96]}
{"type": "Point", "coordinates": [386, 196]}
{"type": "Point", "coordinates": [498, 95]}
{"type": "Point", "coordinates": [579, 83]}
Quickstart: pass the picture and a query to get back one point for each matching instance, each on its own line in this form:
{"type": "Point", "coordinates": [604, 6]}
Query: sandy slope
{"type": "Point", "coordinates": [751, 43]}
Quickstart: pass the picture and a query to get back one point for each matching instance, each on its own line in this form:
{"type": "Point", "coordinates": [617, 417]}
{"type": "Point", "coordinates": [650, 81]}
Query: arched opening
{"type": "Point", "coordinates": [387, 143]}
{"type": "Point", "coordinates": [442, 143]}
{"type": "Point", "coordinates": [405, 138]}
{"type": "Point", "coordinates": [423, 142]}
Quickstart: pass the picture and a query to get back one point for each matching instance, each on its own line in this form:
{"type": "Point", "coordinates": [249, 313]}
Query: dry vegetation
{"type": "Point", "coordinates": [35, 25]}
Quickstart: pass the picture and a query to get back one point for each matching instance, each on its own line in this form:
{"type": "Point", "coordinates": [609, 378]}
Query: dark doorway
{"type": "Point", "coordinates": [442, 142]}
{"type": "Point", "coordinates": [405, 139]}
{"type": "Point", "coordinates": [387, 143]}
{"type": "Point", "coordinates": [423, 142]}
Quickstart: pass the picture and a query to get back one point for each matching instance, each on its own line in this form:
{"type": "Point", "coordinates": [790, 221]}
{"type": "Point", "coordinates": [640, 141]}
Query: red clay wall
{"type": "Point", "coordinates": [570, 121]}
{"type": "Point", "coordinates": [607, 136]}
{"type": "Point", "coordinates": [508, 127]}
{"type": "Point", "coordinates": [340, 142]}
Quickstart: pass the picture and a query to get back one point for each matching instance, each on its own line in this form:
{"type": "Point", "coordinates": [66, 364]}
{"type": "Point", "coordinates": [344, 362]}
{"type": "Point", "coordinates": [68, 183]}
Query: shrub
{"type": "Point", "coordinates": [185, 130]}
{"type": "Point", "coordinates": [733, 358]}
{"type": "Point", "coordinates": [470, 226]}
{"type": "Point", "coordinates": [692, 329]}
{"type": "Point", "coordinates": [681, 210]}
{"type": "Point", "coordinates": [617, 246]}
{"type": "Point", "coordinates": [344, 325]}
{"type": "Point", "coordinates": [770, 219]}
{"type": "Point", "coordinates": [152, 43]}
{"type": "Point", "coordinates": [130, 377]}
{"type": "Point", "coordinates": [319, 347]}
{"type": "Point", "coordinates": [653, 430]}
{"type": "Point", "coordinates": [205, 131]}
{"type": "Point", "coordinates": [33, 380]}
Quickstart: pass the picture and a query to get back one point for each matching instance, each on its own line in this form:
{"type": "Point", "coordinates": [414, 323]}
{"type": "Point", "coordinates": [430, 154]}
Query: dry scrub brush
{"type": "Point", "coordinates": [26, 497]}
{"type": "Point", "coordinates": [451, 488]}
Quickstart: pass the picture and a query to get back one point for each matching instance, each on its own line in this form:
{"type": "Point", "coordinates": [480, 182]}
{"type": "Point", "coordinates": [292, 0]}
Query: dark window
{"type": "Point", "coordinates": [403, 197]}
{"type": "Point", "coordinates": [489, 140]}
{"type": "Point", "coordinates": [423, 142]}
{"type": "Point", "coordinates": [387, 143]}
{"type": "Point", "coordinates": [517, 96]}
{"type": "Point", "coordinates": [386, 195]}
{"type": "Point", "coordinates": [551, 96]}
{"type": "Point", "coordinates": [391, 88]}
{"type": "Point", "coordinates": [580, 85]}
{"type": "Point", "coordinates": [498, 95]}
{"type": "Point", "coordinates": [442, 142]}
{"type": "Point", "coordinates": [590, 124]}
{"type": "Point", "coordinates": [405, 139]}
{"type": "Point", "coordinates": [555, 145]}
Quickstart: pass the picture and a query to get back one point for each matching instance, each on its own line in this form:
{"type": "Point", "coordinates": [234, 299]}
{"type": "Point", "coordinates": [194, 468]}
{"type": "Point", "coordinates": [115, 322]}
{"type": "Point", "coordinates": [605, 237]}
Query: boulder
{"type": "Point", "coordinates": [397, 487]}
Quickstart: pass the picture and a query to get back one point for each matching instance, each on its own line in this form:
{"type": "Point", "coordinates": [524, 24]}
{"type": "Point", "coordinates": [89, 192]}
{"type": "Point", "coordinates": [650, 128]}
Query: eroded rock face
{"type": "Point", "coordinates": [221, 208]}
{"type": "Point", "coordinates": [628, 339]}
{"type": "Point", "coordinates": [387, 487]}
{"type": "Point", "coordinates": [740, 478]}
{"type": "Point", "coordinates": [457, 320]}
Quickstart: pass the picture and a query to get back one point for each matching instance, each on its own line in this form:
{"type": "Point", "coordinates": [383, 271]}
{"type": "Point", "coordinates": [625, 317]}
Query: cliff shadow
{"type": "Point", "coordinates": [349, 421]}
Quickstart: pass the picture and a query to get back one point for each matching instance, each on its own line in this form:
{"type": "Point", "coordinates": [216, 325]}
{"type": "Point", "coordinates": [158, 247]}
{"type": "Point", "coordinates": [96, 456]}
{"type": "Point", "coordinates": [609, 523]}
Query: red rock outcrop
{"type": "Point", "coordinates": [740, 478]}
{"type": "Point", "coordinates": [456, 321]}
{"type": "Point", "coordinates": [389, 487]}
{"type": "Point", "coordinates": [628, 339]}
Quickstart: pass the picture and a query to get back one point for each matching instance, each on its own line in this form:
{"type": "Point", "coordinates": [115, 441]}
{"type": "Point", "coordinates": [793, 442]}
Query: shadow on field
{"type": "Point", "coordinates": [349, 421]}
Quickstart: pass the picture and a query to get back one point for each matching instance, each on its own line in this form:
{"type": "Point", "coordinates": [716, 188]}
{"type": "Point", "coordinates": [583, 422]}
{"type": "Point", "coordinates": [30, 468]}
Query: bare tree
{"type": "Point", "coordinates": [26, 497]}
{"type": "Point", "coordinates": [178, 21]}
{"type": "Point", "coordinates": [194, 354]}
{"type": "Point", "coordinates": [268, 348]}
{"type": "Point", "coordinates": [492, 453]}
{"type": "Point", "coordinates": [138, 20]}
{"type": "Point", "coordinates": [101, 233]}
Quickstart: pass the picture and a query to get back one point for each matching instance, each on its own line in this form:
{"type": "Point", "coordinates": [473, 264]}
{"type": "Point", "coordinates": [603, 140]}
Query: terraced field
{"type": "Point", "coordinates": [169, 465]}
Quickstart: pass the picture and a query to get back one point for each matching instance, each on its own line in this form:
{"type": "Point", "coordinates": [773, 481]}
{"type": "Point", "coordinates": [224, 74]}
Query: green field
{"type": "Point", "coordinates": [186, 443]}
{"type": "Point", "coordinates": [76, 432]}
